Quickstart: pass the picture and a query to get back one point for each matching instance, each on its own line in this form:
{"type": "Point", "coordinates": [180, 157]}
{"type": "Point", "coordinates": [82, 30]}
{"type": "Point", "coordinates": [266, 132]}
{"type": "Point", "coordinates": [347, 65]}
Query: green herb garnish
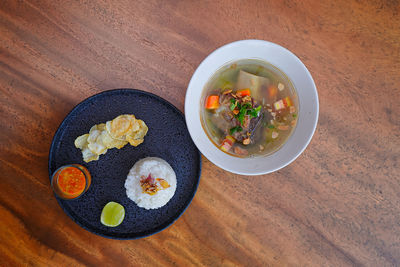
{"type": "Point", "coordinates": [246, 105]}
{"type": "Point", "coordinates": [294, 115]}
{"type": "Point", "coordinates": [271, 126]}
{"type": "Point", "coordinates": [246, 109]}
{"type": "Point", "coordinates": [241, 114]}
{"type": "Point", "coordinates": [235, 129]}
{"type": "Point", "coordinates": [254, 112]}
{"type": "Point", "coordinates": [233, 104]}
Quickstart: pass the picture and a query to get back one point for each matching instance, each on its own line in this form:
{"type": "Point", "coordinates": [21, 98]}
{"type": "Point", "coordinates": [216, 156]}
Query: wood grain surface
{"type": "Point", "coordinates": [338, 204]}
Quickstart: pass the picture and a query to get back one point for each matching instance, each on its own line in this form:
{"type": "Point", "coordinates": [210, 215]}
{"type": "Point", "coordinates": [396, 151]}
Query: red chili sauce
{"type": "Point", "coordinates": [71, 181]}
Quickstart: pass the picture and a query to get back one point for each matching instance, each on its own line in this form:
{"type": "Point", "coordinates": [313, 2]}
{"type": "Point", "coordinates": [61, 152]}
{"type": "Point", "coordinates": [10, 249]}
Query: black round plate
{"type": "Point", "coordinates": [167, 138]}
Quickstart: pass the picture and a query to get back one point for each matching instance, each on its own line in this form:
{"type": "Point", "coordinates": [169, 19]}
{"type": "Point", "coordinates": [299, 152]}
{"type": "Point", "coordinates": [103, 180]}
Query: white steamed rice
{"type": "Point", "coordinates": [158, 168]}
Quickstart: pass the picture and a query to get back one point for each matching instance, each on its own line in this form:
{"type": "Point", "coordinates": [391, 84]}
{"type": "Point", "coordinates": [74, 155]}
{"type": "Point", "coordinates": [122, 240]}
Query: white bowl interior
{"type": "Point", "coordinates": [306, 92]}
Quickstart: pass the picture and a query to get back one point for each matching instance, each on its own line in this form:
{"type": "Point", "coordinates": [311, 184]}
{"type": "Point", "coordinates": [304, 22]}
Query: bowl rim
{"type": "Point", "coordinates": [301, 79]}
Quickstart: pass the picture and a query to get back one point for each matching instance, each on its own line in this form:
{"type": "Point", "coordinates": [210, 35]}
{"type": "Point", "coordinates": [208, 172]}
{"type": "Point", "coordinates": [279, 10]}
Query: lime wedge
{"type": "Point", "coordinates": [113, 214]}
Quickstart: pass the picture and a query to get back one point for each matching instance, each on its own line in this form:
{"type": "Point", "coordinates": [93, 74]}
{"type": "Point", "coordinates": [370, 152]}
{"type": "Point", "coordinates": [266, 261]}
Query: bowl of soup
{"type": "Point", "coordinates": [251, 107]}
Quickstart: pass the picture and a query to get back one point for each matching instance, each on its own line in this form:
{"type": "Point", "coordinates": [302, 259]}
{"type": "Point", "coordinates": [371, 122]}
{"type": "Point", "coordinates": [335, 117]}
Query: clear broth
{"type": "Point", "coordinates": [226, 78]}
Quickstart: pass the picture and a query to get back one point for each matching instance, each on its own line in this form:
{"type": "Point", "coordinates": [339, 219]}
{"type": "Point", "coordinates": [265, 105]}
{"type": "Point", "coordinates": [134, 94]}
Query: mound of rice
{"type": "Point", "coordinates": [158, 168]}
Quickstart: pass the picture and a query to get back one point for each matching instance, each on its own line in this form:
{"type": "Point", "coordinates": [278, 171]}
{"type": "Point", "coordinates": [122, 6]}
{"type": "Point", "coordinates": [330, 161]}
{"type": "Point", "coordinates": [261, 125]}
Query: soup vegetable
{"type": "Point", "coordinates": [249, 108]}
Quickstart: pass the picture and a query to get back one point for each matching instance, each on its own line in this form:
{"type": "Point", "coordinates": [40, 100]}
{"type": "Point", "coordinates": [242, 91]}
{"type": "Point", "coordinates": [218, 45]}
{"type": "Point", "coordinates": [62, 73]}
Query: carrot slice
{"type": "Point", "coordinates": [212, 102]}
{"type": "Point", "coordinates": [243, 92]}
{"type": "Point", "coordinates": [272, 91]}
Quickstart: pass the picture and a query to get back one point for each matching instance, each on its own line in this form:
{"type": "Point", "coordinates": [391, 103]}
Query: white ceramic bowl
{"type": "Point", "coordinates": [301, 78]}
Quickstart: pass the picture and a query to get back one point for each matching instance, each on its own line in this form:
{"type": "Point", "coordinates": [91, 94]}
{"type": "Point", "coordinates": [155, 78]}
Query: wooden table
{"type": "Point", "coordinates": [338, 204]}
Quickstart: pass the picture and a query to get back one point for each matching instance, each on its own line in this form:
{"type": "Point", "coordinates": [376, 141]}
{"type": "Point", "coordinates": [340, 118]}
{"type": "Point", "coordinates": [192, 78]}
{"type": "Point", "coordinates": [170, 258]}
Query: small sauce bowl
{"type": "Point", "coordinates": [71, 181]}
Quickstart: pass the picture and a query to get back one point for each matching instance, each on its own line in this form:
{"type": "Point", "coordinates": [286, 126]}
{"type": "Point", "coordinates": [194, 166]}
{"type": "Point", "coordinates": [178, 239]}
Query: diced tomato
{"type": "Point", "coordinates": [243, 92]}
{"type": "Point", "coordinates": [283, 103]}
{"type": "Point", "coordinates": [278, 105]}
{"type": "Point", "coordinates": [287, 102]}
{"type": "Point", "coordinates": [227, 143]}
{"type": "Point", "coordinates": [212, 102]}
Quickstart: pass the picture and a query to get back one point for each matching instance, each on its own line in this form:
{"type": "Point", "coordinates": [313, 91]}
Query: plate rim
{"type": "Point", "coordinates": [142, 234]}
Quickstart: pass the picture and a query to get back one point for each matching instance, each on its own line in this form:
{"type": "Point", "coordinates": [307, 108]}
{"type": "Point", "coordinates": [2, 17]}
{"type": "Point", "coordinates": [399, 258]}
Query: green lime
{"type": "Point", "coordinates": [113, 214]}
